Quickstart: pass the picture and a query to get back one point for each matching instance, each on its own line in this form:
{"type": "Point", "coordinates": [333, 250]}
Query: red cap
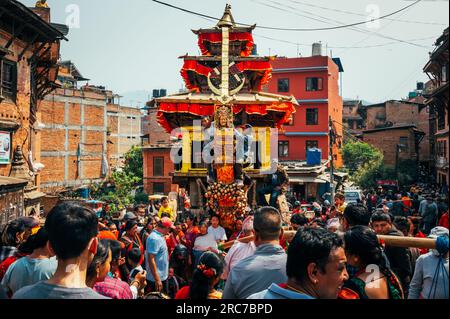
{"type": "Point", "coordinates": [166, 222]}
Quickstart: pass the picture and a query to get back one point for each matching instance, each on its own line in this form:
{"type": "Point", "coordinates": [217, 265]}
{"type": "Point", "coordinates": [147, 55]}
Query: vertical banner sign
{"type": "Point", "coordinates": [5, 147]}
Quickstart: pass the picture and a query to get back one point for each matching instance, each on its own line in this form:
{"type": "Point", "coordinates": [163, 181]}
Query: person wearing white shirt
{"type": "Point", "coordinates": [240, 251]}
{"type": "Point", "coordinates": [204, 242]}
{"type": "Point", "coordinates": [217, 231]}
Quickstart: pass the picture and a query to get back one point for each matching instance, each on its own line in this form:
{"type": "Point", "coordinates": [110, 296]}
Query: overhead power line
{"type": "Point", "coordinates": [291, 29]}
{"type": "Point", "coordinates": [343, 47]}
{"type": "Point", "coordinates": [282, 7]}
{"type": "Point", "coordinates": [362, 14]}
{"type": "Point", "coordinates": [331, 46]}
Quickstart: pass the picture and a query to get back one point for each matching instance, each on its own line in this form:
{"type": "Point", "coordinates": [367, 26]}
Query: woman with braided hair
{"type": "Point", "coordinates": [373, 280]}
{"type": "Point", "coordinates": [206, 276]}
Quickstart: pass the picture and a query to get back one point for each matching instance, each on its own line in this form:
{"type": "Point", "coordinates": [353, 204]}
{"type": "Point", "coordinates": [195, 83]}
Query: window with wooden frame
{"type": "Point", "coordinates": [314, 84]}
{"type": "Point", "coordinates": [283, 148]}
{"type": "Point", "coordinates": [404, 142]}
{"type": "Point", "coordinates": [158, 166]}
{"type": "Point", "coordinates": [8, 79]}
{"type": "Point", "coordinates": [283, 85]}
{"type": "Point", "coordinates": [312, 116]}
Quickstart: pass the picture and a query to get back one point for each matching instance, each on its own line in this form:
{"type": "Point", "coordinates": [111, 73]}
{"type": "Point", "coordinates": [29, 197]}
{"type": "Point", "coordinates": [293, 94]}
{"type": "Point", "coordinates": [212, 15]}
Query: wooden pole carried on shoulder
{"type": "Point", "coordinates": [396, 241]}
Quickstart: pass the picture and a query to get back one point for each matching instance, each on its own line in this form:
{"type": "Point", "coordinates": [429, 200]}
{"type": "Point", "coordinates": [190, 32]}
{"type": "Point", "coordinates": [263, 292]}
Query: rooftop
{"type": "Point", "coordinates": [11, 182]}
{"type": "Point", "coordinates": [396, 127]}
{"type": "Point", "coordinates": [393, 101]}
{"type": "Point", "coordinates": [13, 10]}
{"type": "Point", "coordinates": [245, 98]}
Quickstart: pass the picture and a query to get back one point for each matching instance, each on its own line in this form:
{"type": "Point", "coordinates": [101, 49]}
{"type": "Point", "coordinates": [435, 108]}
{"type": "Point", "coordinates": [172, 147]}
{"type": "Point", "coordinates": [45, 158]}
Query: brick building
{"type": "Point", "coordinates": [388, 139]}
{"type": "Point", "coordinates": [152, 132]}
{"type": "Point", "coordinates": [437, 101]}
{"type": "Point", "coordinates": [84, 131]}
{"type": "Point", "coordinates": [29, 50]}
{"type": "Point", "coordinates": [74, 137]}
{"type": "Point", "coordinates": [157, 144]}
{"type": "Point", "coordinates": [314, 81]}
{"type": "Point", "coordinates": [401, 125]}
{"type": "Point", "coordinates": [354, 116]}
{"type": "Point", "coordinates": [158, 169]}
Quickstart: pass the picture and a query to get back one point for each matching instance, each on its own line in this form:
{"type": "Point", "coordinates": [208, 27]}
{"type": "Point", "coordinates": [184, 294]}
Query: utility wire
{"type": "Point", "coordinates": [346, 131]}
{"type": "Point", "coordinates": [362, 14]}
{"type": "Point", "coordinates": [342, 47]}
{"type": "Point", "coordinates": [326, 20]}
{"type": "Point", "coordinates": [333, 47]}
{"type": "Point", "coordinates": [370, 35]}
{"type": "Point", "coordinates": [290, 29]}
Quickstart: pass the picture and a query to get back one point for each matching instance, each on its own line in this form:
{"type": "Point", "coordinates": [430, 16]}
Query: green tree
{"type": "Point", "coordinates": [368, 174]}
{"type": "Point", "coordinates": [118, 188]}
{"type": "Point", "coordinates": [134, 163]}
{"type": "Point", "coordinates": [358, 154]}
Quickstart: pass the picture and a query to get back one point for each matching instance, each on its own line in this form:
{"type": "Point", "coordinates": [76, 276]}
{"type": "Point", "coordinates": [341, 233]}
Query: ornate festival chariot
{"type": "Point", "coordinates": [225, 84]}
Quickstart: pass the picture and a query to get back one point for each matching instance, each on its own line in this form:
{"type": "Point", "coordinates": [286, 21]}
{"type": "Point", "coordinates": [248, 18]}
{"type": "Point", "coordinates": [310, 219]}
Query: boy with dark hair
{"type": "Point", "coordinates": [166, 210]}
{"type": "Point", "coordinates": [339, 202]}
{"type": "Point", "coordinates": [72, 233]}
{"type": "Point", "coordinates": [398, 257]}
{"type": "Point", "coordinates": [298, 221]}
{"type": "Point", "coordinates": [356, 215]}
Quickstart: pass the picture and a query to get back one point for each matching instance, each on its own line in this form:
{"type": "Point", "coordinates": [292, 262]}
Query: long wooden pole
{"type": "Point", "coordinates": [397, 241]}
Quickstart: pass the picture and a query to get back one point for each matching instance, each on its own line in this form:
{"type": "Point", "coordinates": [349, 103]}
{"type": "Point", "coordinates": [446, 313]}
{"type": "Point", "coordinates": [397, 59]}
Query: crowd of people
{"type": "Point", "coordinates": [154, 253]}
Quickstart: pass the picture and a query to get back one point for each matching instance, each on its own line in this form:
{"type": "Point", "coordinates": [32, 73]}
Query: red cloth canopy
{"type": "Point", "coordinates": [197, 67]}
{"type": "Point", "coordinates": [201, 110]}
{"type": "Point", "coordinates": [247, 37]}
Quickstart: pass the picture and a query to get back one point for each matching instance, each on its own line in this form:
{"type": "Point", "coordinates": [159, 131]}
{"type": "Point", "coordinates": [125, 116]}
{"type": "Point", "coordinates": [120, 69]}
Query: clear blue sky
{"type": "Point", "coordinates": [133, 45]}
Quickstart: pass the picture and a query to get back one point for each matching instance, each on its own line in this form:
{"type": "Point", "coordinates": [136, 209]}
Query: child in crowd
{"type": "Point", "coordinates": [134, 258]}
{"type": "Point", "coordinates": [166, 210]}
{"type": "Point", "coordinates": [175, 283]}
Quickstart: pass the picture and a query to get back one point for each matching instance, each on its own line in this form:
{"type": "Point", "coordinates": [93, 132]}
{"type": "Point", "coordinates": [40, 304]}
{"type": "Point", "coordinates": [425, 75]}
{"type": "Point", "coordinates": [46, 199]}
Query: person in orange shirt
{"type": "Point", "coordinates": [174, 238]}
{"type": "Point", "coordinates": [407, 201]}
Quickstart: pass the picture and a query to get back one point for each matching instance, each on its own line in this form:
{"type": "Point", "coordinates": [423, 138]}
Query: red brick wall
{"type": "Point", "coordinates": [399, 113]}
{"type": "Point", "coordinates": [94, 115]}
{"type": "Point", "coordinates": [156, 133]}
{"type": "Point", "coordinates": [387, 142]}
{"type": "Point", "coordinates": [54, 169]}
{"type": "Point", "coordinates": [54, 138]}
{"type": "Point", "coordinates": [19, 111]}
{"type": "Point", "coordinates": [149, 178]}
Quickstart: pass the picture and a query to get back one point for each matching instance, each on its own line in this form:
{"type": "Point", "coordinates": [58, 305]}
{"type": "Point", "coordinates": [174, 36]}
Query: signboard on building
{"type": "Point", "coordinates": [5, 147]}
{"type": "Point", "coordinates": [387, 183]}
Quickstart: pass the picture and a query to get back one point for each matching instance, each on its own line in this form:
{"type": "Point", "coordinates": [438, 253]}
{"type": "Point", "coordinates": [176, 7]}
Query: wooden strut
{"type": "Point", "coordinates": [396, 241]}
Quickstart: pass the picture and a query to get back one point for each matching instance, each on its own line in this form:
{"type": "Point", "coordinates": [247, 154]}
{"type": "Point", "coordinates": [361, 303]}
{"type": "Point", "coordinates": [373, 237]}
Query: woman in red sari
{"type": "Point", "coordinates": [191, 232]}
